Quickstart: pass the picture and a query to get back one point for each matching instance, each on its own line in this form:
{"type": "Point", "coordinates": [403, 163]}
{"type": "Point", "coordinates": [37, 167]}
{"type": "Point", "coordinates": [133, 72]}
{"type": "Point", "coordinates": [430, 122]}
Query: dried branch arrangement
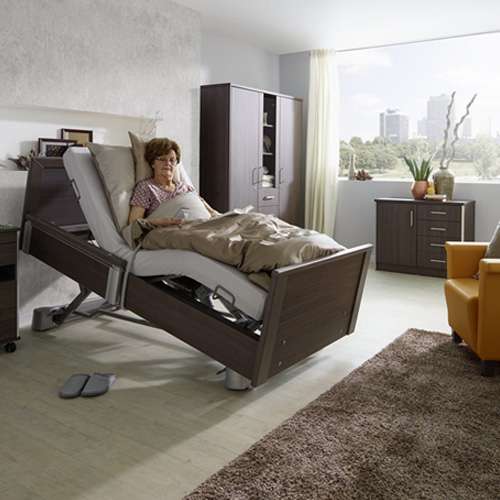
{"type": "Point", "coordinates": [445, 158]}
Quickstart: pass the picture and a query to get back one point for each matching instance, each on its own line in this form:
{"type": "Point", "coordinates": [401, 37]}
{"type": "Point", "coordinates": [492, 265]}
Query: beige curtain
{"type": "Point", "coordinates": [322, 158]}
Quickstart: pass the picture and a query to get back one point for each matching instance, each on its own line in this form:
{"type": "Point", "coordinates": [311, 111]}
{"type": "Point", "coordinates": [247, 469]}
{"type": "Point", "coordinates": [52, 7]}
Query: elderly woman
{"type": "Point", "coordinates": [163, 155]}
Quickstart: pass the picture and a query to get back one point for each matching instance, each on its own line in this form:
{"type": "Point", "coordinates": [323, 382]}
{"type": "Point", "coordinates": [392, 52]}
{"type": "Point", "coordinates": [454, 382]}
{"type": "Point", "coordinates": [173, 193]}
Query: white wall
{"type": "Point", "coordinates": [226, 60]}
{"type": "Point", "coordinates": [109, 57]}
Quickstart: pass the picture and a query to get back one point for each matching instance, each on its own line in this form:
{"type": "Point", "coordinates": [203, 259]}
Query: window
{"type": "Point", "coordinates": [394, 102]}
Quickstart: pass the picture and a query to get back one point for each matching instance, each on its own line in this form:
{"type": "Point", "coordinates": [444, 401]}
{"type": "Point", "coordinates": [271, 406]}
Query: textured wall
{"type": "Point", "coordinates": [109, 56]}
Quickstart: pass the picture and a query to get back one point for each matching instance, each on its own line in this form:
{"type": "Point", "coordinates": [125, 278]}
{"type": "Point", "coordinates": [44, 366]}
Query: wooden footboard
{"type": "Point", "coordinates": [310, 306]}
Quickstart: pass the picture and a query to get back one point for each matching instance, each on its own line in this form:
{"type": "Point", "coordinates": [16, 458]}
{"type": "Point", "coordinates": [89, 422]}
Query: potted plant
{"type": "Point", "coordinates": [420, 174]}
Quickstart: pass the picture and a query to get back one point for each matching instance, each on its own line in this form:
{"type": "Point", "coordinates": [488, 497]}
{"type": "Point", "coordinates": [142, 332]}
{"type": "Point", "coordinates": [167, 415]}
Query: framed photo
{"type": "Point", "coordinates": [53, 147]}
{"type": "Point", "coordinates": [81, 137]}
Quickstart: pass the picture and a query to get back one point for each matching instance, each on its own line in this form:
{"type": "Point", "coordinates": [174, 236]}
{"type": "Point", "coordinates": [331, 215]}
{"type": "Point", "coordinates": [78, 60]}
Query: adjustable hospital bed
{"type": "Point", "coordinates": [213, 307]}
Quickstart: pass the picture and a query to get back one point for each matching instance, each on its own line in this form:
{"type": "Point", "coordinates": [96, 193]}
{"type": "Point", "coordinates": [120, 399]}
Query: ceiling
{"type": "Point", "coordinates": [283, 26]}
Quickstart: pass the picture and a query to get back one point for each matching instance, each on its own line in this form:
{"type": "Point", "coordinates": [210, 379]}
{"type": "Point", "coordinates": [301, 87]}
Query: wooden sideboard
{"type": "Point", "coordinates": [411, 233]}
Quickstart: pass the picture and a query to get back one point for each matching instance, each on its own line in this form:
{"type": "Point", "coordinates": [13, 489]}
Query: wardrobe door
{"type": "Point", "coordinates": [289, 178]}
{"type": "Point", "coordinates": [245, 147]}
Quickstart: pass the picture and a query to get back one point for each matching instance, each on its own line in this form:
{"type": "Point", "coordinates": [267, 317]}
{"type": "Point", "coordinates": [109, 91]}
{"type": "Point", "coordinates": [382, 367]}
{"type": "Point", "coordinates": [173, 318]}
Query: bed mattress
{"type": "Point", "coordinates": [249, 298]}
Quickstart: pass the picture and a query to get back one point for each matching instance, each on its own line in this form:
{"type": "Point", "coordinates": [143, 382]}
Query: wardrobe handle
{"type": "Point", "coordinates": [267, 198]}
{"type": "Point", "coordinates": [436, 212]}
{"type": "Point", "coordinates": [437, 261]}
{"type": "Point", "coordinates": [253, 176]}
{"type": "Point", "coordinates": [438, 229]}
{"type": "Point", "coordinates": [439, 245]}
{"type": "Point", "coordinates": [411, 218]}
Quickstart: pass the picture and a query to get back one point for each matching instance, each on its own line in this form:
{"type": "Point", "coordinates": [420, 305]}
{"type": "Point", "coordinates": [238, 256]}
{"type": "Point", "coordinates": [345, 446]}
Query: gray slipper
{"type": "Point", "coordinates": [73, 387]}
{"type": "Point", "coordinates": [98, 383]}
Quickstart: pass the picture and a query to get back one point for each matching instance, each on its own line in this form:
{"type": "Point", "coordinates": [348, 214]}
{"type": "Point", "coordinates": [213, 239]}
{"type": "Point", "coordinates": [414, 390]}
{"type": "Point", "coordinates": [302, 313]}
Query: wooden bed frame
{"type": "Point", "coordinates": [309, 305]}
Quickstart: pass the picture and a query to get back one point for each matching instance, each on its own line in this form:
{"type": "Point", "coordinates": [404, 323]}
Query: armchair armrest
{"type": "Point", "coordinates": [489, 266]}
{"type": "Point", "coordinates": [463, 258]}
{"type": "Point", "coordinates": [488, 339]}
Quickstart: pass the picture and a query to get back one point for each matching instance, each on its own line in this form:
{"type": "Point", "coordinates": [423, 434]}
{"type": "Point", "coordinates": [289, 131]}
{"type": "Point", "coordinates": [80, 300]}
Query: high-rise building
{"type": "Point", "coordinates": [394, 126]}
{"type": "Point", "coordinates": [437, 108]}
{"type": "Point", "coordinates": [422, 128]}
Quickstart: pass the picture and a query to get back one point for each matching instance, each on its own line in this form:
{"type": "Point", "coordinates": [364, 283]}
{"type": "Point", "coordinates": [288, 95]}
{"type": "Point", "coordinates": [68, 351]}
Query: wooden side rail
{"type": "Point", "coordinates": [218, 339]}
{"type": "Point", "coordinates": [310, 306]}
{"type": "Point", "coordinates": [70, 255]}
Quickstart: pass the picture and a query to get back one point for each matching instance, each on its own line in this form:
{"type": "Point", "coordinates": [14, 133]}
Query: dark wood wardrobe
{"type": "Point", "coordinates": [250, 150]}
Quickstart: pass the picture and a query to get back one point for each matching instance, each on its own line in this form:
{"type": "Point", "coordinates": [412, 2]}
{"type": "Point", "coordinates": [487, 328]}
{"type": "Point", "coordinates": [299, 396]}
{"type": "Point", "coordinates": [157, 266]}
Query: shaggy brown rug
{"type": "Point", "coordinates": [415, 421]}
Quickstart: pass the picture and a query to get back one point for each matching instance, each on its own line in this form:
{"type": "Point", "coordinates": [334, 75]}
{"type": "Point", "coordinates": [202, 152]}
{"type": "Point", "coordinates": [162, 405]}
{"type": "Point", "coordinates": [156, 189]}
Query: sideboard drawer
{"type": "Point", "coordinates": [431, 261]}
{"type": "Point", "coordinates": [442, 229]}
{"type": "Point", "coordinates": [439, 212]}
{"type": "Point", "coordinates": [434, 247]}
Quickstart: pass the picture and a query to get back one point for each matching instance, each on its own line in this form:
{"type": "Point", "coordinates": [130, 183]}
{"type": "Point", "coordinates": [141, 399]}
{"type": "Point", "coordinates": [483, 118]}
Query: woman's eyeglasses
{"type": "Point", "coordinates": [162, 159]}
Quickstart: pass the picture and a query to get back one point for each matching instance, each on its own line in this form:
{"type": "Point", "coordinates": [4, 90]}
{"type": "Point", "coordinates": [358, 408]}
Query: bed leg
{"type": "Point", "coordinates": [235, 382]}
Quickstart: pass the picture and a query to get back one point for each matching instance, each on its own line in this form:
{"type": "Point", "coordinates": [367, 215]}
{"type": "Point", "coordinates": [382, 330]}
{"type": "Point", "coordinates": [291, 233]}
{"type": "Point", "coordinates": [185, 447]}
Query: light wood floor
{"type": "Point", "coordinates": [168, 423]}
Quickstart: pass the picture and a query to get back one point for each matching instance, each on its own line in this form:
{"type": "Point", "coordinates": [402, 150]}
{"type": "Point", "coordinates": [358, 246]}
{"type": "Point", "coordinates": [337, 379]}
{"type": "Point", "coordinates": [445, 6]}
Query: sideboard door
{"type": "Point", "coordinates": [396, 234]}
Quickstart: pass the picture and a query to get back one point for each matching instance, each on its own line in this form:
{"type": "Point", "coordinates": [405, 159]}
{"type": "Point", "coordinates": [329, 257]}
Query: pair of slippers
{"type": "Point", "coordinates": [87, 386]}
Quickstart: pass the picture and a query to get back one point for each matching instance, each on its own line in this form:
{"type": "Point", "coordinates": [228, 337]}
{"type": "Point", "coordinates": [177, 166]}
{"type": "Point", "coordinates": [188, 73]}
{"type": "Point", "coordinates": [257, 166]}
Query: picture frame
{"type": "Point", "coordinates": [54, 148]}
{"type": "Point", "coordinates": [80, 136]}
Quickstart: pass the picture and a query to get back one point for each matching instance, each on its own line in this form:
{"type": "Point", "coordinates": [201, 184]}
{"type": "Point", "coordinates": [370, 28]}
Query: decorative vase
{"type": "Point", "coordinates": [419, 189]}
{"type": "Point", "coordinates": [444, 182]}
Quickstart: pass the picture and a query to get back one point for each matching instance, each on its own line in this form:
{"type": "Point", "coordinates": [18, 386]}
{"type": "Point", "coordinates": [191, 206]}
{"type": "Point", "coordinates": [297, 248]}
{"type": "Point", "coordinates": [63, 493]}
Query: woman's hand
{"type": "Point", "coordinates": [166, 221]}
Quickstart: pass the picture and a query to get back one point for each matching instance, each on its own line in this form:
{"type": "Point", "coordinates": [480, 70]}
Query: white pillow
{"type": "Point", "coordinates": [186, 206]}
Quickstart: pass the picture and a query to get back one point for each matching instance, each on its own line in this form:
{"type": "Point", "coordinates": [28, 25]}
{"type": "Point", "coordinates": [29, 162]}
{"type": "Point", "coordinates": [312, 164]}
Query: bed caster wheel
{"type": "Point", "coordinates": [455, 337]}
{"type": "Point", "coordinates": [10, 347]}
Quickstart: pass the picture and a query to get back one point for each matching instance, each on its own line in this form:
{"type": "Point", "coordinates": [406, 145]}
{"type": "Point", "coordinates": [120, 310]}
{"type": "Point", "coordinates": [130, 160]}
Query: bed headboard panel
{"type": "Point", "coordinates": [50, 195]}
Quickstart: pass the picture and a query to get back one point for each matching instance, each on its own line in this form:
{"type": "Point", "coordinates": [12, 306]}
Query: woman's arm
{"type": "Point", "coordinates": [136, 212]}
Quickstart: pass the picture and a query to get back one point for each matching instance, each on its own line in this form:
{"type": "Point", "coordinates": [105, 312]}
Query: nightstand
{"type": "Point", "coordinates": [9, 328]}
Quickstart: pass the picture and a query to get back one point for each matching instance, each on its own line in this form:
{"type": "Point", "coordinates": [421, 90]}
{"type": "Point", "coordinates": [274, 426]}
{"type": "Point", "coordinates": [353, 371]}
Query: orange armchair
{"type": "Point", "coordinates": [474, 304]}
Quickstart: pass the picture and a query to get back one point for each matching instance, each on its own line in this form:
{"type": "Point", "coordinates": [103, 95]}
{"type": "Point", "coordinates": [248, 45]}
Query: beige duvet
{"type": "Point", "coordinates": [252, 242]}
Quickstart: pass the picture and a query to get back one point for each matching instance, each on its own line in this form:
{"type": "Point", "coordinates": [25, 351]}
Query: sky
{"type": "Point", "coordinates": [405, 76]}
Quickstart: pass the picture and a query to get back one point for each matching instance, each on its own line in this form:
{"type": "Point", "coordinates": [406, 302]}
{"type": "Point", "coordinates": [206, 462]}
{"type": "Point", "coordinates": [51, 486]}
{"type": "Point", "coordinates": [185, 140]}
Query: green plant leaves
{"type": "Point", "coordinates": [419, 172]}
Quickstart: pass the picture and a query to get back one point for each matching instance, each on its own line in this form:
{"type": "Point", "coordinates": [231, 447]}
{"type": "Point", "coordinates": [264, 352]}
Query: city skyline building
{"type": "Point", "coordinates": [422, 127]}
{"type": "Point", "coordinates": [437, 109]}
{"type": "Point", "coordinates": [394, 126]}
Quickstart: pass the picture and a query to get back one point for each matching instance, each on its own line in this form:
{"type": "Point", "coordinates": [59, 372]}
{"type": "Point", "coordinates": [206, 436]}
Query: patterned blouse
{"type": "Point", "coordinates": [150, 196]}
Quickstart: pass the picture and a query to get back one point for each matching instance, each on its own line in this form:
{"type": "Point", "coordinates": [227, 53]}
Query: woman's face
{"type": "Point", "coordinates": [165, 165]}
